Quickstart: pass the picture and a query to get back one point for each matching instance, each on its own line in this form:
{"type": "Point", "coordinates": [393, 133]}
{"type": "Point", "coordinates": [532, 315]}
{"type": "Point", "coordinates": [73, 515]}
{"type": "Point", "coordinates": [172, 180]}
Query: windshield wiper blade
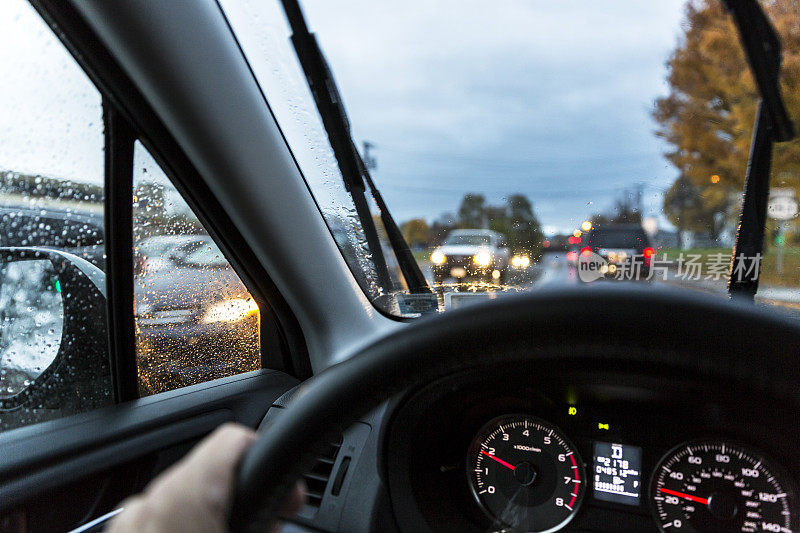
{"type": "Point", "coordinates": [763, 49]}
{"type": "Point", "coordinates": [409, 267]}
{"type": "Point", "coordinates": [354, 172]}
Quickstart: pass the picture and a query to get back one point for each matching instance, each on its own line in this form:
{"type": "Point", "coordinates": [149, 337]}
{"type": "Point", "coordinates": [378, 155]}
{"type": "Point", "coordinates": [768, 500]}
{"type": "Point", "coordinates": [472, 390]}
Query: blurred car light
{"type": "Point", "coordinates": [437, 257]}
{"type": "Point", "coordinates": [230, 310]}
{"type": "Point", "coordinates": [520, 261]}
{"type": "Point", "coordinates": [482, 259]}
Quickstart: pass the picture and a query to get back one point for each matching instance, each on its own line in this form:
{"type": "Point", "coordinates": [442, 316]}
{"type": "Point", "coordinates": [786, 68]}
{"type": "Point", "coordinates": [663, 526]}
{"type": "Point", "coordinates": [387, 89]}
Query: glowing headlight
{"type": "Point", "coordinates": [617, 257]}
{"type": "Point", "coordinates": [520, 261]}
{"type": "Point", "coordinates": [483, 259]}
{"type": "Point", "coordinates": [230, 310]}
{"type": "Point", "coordinates": [437, 257]}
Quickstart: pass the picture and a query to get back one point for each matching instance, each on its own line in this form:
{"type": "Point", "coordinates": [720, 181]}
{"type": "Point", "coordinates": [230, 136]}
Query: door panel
{"type": "Point", "coordinates": [60, 474]}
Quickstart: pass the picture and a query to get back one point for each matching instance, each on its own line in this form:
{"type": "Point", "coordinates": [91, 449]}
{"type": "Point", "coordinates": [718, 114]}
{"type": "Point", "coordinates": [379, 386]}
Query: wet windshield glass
{"type": "Point", "coordinates": [624, 238]}
{"type": "Point", "coordinates": [473, 240]}
{"type": "Point", "coordinates": [572, 131]}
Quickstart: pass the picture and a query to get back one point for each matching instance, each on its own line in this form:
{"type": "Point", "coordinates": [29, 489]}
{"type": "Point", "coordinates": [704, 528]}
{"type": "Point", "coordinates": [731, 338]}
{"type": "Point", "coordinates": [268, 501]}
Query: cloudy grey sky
{"type": "Point", "coordinates": [551, 99]}
{"type": "Point", "coordinates": [51, 122]}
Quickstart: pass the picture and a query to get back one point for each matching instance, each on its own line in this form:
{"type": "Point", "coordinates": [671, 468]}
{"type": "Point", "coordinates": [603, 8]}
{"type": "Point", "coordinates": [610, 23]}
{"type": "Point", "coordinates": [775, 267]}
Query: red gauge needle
{"type": "Point", "coordinates": [507, 465]}
{"type": "Point", "coordinates": [697, 499]}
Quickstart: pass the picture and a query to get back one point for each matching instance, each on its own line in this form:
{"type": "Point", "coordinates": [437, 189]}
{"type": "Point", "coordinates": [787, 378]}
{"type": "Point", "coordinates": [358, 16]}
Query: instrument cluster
{"type": "Point", "coordinates": [606, 453]}
{"type": "Point", "coordinates": [526, 475]}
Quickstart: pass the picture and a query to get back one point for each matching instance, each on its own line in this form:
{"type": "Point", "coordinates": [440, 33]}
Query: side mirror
{"type": "Point", "coordinates": [53, 336]}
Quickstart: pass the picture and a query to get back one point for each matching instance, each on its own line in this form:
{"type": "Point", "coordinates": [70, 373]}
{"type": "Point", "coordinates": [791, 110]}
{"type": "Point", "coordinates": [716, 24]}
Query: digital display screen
{"type": "Point", "coordinates": [617, 472]}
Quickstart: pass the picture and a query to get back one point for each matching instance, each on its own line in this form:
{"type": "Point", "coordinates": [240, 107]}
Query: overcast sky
{"type": "Point", "coordinates": [51, 121]}
{"type": "Point", "coordinates": [551, 99]}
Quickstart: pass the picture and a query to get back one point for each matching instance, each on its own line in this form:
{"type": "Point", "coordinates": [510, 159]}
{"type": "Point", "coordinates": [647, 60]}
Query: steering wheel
{"type": "Point", "coordinates": [629, 326]}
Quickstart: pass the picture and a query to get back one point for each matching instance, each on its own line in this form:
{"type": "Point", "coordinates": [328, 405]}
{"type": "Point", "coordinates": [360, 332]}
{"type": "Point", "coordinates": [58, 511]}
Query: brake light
{"type": "Point", "coordinates": [586, 251]}
{"type": "Point", "coordinates": [648, 254]}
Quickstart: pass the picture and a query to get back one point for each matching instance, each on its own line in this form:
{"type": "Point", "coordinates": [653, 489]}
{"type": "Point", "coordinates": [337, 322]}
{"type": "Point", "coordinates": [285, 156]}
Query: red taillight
{"type": "Point", "coordinates": [572, 256]}
{"type": "Point", "coordinates": [586, 251]}
{"type": "Point", "coordinates": [648, 253]}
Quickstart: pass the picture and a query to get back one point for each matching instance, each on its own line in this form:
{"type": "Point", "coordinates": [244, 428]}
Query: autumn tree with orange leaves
{"type": "Point", "coordinates": [709, 114]}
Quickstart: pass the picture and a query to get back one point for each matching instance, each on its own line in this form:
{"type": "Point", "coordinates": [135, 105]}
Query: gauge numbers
{"type": "Point", "coordinates": [713, 486]}
{"type": "Point", "coordinates": [525, 474]}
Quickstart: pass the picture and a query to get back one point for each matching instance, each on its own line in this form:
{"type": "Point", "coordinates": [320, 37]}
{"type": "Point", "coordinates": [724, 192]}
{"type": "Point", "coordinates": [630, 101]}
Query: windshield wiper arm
{"type": "Point", "coordinates": [763, 50]}
{"type": "Point", "coordinates": [354, 172]}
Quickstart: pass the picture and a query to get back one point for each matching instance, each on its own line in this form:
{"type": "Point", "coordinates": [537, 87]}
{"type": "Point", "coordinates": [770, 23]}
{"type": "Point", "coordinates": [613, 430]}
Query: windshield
{"type": "Point", "coordinates": [469, 240]}
{"type": "Point", "coordinates": [559, 127]}
{"type": "Point", "coordinates": [617, 238]}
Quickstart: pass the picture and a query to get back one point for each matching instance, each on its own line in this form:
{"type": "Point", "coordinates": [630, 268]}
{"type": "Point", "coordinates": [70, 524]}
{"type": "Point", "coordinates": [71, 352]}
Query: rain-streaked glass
{"type": "Point", "coordinates": [262, 30]}
{"type": "Point", "coordinates": [603, 143]}
{"type": "Point", "coordinates": [195, 319]}
{"type": "Point", "coordinates": [51, 196]}
{"type": "Point", "coordinates": [31, 321]}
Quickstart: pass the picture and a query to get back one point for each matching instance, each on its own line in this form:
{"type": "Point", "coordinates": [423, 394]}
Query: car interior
{"type": "Point", "coordinates": [613, 407]}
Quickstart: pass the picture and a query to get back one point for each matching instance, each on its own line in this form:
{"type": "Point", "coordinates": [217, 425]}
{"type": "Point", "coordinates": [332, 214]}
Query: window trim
{"type": "Point", "coordinates": [119, 143]}
{"type": "Point", "coordinates": [283, 345]}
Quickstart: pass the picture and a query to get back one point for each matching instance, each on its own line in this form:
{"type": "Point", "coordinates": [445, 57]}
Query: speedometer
{"type": "Point", "coordinates": [714, 486]}
{"type": "Point", "coordinates": [525, 474]}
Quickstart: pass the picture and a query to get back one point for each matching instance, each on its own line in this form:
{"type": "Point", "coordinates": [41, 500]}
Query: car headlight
{"type": "Point", "coordinates": [482, 259]}
{"type": "Point", "coordinates": [520, 261]}
{"type": "Point", "coordinates": [617, 257]}
{"type": "Point", "coordinates": [231, 310]}
{"type": "Point", "coordinates": [437, 257]}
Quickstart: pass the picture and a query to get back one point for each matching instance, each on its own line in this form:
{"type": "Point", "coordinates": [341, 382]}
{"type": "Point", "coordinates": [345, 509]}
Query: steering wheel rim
{"type": "Point", "coordinates": [702, 333]}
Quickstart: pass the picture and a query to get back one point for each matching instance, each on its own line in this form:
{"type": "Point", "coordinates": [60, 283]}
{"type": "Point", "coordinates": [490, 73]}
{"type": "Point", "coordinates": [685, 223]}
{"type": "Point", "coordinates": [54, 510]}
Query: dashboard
{"type": "Point", "coordinates": [550, 449]}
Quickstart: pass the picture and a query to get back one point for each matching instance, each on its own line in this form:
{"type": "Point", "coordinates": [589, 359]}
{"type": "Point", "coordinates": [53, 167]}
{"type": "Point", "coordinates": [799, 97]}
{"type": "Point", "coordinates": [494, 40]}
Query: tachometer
{"type": "Point", "coordinates": [714, 486]}
{"type": "Point", "coordinates": [525, 474]}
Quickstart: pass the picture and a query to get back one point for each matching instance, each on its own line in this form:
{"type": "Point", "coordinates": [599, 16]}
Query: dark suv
{"type": "Point", "coordinates": [622, 246]}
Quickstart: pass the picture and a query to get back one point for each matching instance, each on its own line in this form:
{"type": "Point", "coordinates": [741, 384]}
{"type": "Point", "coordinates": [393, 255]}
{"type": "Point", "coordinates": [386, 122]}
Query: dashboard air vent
{"type": "Point", "coordinates": [317, 478]}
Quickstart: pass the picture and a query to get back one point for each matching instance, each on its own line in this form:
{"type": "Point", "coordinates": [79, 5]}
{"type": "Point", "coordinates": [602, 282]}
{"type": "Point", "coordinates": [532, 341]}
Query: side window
{"type": "Point", "coordinates": [51, 211]}
{"type": "Point", "coordinates": [195, 320]}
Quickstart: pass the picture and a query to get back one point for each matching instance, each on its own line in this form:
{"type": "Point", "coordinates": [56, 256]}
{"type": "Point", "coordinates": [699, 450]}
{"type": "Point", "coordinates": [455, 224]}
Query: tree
{"type": "Point", "coordinates": [471, 213]}
{"type": "Point", "coordinates": [625, 211]}
{"type": "Point", "coordinates": [515, 219]}
{"type": "Point", "coordinates": [441, 227]}
{"type": "Point", "coordinates": [416, 232]}
{"type": "Point", "coordinates": [525, 232]}
{"type": "Point", "coordinates": [709, 113]}
{"type": "Point", "coordinates": [691, 208]}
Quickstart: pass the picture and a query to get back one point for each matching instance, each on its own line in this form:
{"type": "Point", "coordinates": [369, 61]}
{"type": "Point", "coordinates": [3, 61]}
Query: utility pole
{"type": "Point", "coordinates": [369, 160]}
{"type": "Point", "coordinates": [639, 192]}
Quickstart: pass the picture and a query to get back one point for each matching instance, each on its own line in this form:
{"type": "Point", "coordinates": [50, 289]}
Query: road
{"type": "Point", "coordinates": [553, 271]}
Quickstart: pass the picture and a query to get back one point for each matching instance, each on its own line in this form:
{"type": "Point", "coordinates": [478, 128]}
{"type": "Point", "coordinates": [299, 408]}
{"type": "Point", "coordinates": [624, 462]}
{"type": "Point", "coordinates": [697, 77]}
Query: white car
{"type": "Point", "coordinates": [471, 253]}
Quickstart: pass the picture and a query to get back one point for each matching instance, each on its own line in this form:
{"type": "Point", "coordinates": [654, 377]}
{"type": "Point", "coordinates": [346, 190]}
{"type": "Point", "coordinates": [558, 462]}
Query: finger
{"type": "Point", "coordinates": [208, 471]}
{"type": "Point", "coordinates": [294, 501]}
{"type": "Point", "coordinates": [195, 493]}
